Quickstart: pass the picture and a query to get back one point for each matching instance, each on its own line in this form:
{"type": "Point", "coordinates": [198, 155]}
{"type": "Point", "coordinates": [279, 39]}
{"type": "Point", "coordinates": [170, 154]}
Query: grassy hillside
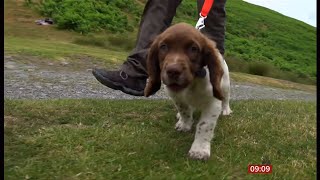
{"type": "Point", "coordinates": [258, 34]}
{"type": "Point", "coordinates": [258, 41]}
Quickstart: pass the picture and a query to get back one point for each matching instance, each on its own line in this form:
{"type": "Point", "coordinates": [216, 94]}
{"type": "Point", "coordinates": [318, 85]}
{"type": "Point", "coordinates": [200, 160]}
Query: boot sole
{"type": "Point", "coordinates": [116, 86]}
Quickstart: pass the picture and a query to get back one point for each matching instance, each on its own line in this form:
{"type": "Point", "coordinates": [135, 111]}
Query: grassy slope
{"type": "Point", "coordinates": [105, 139]}
{"type": "Point", "coordinates": [257, 33]}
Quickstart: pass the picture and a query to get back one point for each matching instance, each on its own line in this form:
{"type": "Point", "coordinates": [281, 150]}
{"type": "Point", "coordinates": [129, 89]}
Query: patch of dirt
{"type": "Point", "coordinates": [268, 81]}
{"type": "Point", "coordinates": [10, 121]}
{"type": "Point", "coordinates": [69, 63]}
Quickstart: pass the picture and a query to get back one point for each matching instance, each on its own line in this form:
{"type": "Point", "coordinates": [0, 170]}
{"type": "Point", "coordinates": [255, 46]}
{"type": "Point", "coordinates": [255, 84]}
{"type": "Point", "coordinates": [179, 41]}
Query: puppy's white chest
{"type": "Point", "coordinates": [197, 95]}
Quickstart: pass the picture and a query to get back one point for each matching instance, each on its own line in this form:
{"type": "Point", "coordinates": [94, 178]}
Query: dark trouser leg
{"type": "Point", "coordinates": [157, 17]}
{"type": "Point", "coordinates": [215, 23]}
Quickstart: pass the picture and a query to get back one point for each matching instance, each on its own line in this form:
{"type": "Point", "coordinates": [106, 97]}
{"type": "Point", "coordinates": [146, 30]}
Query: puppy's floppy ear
{"type": "Point", "coordinates": [213, 59]}
{"type": "Point", "coordinates": [153, 68]}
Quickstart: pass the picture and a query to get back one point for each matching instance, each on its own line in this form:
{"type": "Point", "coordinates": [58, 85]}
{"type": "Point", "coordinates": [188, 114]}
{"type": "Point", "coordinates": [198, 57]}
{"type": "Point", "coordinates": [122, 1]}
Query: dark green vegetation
{"type": "Point", "coordinates": [89, 16]}
{"type": "Point", "coordinates": [105, 139]}
{"type": "Point", "coordinates": [258, 41]}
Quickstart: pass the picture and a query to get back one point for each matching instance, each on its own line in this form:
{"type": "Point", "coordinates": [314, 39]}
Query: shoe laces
{"type": "Point", "coordinates": [123, 75]}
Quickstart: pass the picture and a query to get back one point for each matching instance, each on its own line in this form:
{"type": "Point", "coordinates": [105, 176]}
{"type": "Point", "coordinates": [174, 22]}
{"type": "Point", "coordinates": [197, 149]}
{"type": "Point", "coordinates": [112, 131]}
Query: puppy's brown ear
{"type": "Point", "coordinates": [213, 60]}
{"type": "Point", "coordinates": [153, 68]}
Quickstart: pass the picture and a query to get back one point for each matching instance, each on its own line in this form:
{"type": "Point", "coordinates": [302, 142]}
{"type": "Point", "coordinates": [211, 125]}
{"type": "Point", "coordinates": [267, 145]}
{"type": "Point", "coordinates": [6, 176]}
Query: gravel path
{"type": "Point", "coordinates": [25, 81]}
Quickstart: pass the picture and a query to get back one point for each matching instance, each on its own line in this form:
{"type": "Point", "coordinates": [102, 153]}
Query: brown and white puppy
{"type": "Point", "coordinates": [195, 76]}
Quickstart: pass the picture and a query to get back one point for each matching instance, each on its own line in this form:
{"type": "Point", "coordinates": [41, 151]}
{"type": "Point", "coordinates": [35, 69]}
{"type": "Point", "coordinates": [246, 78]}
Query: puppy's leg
{"type": "Point", "coordinates": [200, 148]}
{"type": "Point", "coordinates": [225, 103]}
{"type": "Point", "coordinates": [184, 116]}
{"type": "Point", "coordinates": [226, 91]}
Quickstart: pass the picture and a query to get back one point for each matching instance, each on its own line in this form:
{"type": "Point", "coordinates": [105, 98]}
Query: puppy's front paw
{"type": "Point", "coordinates": [183, 125]}
{"type": "Point", "coordinates": [178, 116]}
{"type": "Point", "coordinates": [200, 151]}
{"type": "Point", "coordinates": [226, 111]}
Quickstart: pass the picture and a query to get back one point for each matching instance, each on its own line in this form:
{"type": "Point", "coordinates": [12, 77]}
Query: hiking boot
{"type": "Point", "coordinates": [119, 80]}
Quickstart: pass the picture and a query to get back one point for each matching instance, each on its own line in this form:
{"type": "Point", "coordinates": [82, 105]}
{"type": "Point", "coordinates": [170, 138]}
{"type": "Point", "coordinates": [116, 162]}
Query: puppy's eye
{"type": "Point", "coordinates": [193, 49]}
{"type": "Point", "coordinates": [164, 47]}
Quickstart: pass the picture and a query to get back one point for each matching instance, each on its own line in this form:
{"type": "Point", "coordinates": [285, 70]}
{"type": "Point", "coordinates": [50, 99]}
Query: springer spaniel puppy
{"type": "Point", "coordinates": [195, 76]}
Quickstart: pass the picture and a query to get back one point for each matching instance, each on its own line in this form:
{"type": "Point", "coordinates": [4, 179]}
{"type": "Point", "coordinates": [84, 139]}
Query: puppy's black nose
{"type": "Point", "coordinates": [174, 71]}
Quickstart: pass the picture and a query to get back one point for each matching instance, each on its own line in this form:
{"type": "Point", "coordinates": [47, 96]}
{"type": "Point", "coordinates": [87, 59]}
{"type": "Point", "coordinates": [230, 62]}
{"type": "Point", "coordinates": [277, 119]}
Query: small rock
{"type": "Point", "coordinates": [50, 64]}
{"type": "Point", "coordinates": [7, 57]}
{"type": "Point", "coordinates": [9, 66]}
{"type": "Point", "coordinates": [43, 94]}
{"type": "Point", "coordinates": [64, 63]}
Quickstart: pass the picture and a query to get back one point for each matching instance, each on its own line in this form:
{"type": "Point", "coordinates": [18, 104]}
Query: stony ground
{"type": "Point", "coordinates": [33, 81]}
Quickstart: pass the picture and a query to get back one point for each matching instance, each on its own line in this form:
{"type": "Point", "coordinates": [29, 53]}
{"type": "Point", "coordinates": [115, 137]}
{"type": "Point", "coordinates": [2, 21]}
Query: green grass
{"type": "Point", "coordinates": [135, 139]}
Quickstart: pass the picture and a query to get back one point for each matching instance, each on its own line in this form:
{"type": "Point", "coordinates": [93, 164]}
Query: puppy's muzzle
{"type": "Point", "coordinates": [174, 72]}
